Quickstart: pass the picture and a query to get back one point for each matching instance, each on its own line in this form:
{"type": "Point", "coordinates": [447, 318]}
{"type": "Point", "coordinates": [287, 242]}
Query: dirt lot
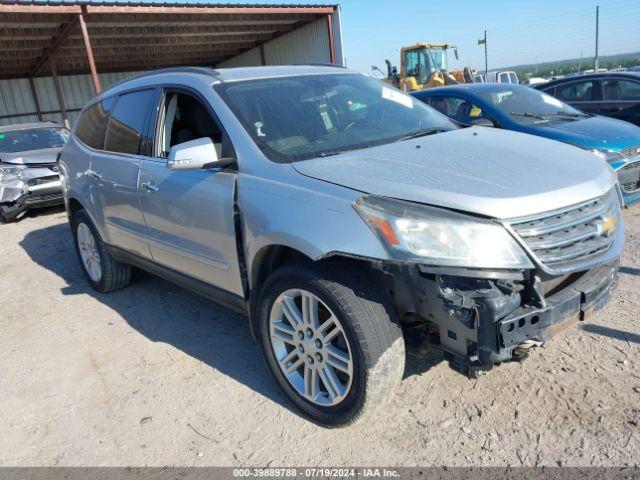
{"type": "Point", "coordinates": [155, 375]}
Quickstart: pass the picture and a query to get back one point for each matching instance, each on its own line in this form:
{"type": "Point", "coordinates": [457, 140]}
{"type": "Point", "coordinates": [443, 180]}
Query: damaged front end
{"type": "Point", "coordinates": [23, 187]}
{"type": "Point", "coordinates": [489, 290]}
{"type": "Point", "coordinates": [481, 322]}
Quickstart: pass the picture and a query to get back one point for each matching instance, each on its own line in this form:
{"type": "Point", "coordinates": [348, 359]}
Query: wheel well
{"type": "Point", "coordinates": [73, 206]}
{"type": "Point", "coordinates": [270, 259]}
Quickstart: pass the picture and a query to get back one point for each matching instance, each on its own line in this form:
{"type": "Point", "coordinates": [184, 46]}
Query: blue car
{"type": "Point", "coordinates": [524, 109]}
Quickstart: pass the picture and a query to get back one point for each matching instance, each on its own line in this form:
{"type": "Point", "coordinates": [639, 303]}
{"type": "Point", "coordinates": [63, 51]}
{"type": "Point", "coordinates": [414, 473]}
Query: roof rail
{"type": "Point", "coordinates": [318, 64]}
{"type": "Point", "coordinates": [201, 70]}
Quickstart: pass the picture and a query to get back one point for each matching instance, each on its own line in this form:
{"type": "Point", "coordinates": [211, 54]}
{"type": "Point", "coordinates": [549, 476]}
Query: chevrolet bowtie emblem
{"type": "Point", "coordinates": [606, 226]}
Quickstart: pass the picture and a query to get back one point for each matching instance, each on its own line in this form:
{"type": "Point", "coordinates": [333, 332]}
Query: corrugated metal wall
{"type": "Point", "coordinates": [15, 96]}
{"type": "Point", "coordinates": [309, 44]}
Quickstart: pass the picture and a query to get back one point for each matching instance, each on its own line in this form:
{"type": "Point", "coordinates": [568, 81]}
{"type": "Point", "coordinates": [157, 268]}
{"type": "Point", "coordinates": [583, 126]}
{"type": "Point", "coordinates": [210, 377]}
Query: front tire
{"type": "Point", "coordinates": [331, 341]}
{"type": "Point", "coordinates": [100, 269]}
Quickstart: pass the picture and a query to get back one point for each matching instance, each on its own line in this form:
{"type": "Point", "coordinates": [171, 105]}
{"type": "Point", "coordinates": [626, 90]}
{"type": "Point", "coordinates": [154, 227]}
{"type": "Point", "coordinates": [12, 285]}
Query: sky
{"type": "Point", "coordinates": [518, 31]}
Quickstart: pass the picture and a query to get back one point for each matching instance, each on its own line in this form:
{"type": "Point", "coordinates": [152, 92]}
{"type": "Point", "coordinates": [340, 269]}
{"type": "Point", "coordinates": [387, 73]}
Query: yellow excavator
{"type": "Point", "coordinates": [424, 65]}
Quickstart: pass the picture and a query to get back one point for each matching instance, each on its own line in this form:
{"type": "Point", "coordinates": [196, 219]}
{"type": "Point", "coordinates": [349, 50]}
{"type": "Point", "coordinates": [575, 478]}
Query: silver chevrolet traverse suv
{"type": "Point", "coordinates": [333, 210]}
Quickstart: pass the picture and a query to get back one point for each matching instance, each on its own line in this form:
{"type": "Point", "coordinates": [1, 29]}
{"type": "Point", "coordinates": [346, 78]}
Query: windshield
{"type": "Point", "coordinates": [527, 105]}
{"type": "Point", "coordinates": [437, 59]}
{"type": "Point", "coordinates": [300, 117]}
{"type": "Point", "coordinates": [14, 141]}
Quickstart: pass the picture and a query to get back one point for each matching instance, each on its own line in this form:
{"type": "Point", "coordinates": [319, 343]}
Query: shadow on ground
{"type": "Point", "coordinates": [200, 328]}
{"type": "Point", "coordinates": [630, 271]}
{"type": "Point", "coordinates": [611, 333]}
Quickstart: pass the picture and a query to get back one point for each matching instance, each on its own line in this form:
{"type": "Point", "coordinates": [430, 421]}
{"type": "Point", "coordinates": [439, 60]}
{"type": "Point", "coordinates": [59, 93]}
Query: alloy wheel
{"type": "Point", "coordinates": [311, 347]}
{"type": "Point", "coordinates": [89, 252]}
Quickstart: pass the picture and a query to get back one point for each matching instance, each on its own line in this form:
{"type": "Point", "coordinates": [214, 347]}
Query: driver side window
{"type": "Point", "coordinates": [185, 118]}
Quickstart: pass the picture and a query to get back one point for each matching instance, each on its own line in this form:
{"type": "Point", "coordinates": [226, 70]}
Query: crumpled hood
{"type": "Point", "coordinates": [594, 132]}
{"type": "Point", "coordinates": [486, 171]}
{"type": "Point", "coordinates": [46, 155]}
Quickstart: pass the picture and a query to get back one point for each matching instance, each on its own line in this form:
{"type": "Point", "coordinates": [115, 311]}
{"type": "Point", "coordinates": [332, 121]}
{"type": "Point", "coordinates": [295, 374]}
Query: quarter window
{"type": "Point", "coordinates": [575, 92]}
{"type": "Point", "coordinates": [93, 122]}
{"type": "Point", "coordinates": [620, 90]}
{"type": "Point", "coordinates": [127, 122]}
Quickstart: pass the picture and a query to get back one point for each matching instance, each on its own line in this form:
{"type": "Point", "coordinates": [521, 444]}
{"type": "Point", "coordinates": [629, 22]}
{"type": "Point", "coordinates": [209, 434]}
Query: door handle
{"type": "Point", "coordinates": [150, 187]}
{"type": "Point", "coordinates": [94, 174]}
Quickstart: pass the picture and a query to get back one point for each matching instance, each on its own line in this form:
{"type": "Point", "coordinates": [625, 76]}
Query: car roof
{"type": "Point", "coordinates": [26, 126]}
{"type": "Point", "coordinates": [591, 76]}
{"type": "Point", "coordinates": [221, 75]}
{"type": "Point", "coordinates": [469, 88]}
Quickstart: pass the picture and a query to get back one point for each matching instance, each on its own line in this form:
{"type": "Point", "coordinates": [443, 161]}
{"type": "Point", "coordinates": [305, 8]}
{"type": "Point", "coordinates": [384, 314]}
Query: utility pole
{"type": "Point", "coordinates": [486, 63]}
{"type": "Point", "coordinates": [595, 63]}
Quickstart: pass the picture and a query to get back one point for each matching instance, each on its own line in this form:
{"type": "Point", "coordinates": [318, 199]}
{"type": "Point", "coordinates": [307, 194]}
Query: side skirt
{"type": "Point", "coordinates": [229, 300]}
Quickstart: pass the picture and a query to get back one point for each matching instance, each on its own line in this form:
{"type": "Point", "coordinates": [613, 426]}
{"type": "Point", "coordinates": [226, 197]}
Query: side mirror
{"type": "Point", "coordinates": [483, 122]}
{"type": "Point", "coordinates": [195, 155]}
{"type": "Point", "coordinates": [455, 53]}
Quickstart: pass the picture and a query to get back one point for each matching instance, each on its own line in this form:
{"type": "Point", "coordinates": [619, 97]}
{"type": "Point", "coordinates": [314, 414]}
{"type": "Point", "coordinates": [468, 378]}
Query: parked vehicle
{"type": "Point", "coordinates": [523, 109]}
{"type": "Point", "coordinates": [613, 94]}
{"type": "Point", "coordinates": [332, 209]}
{"type": "Point", "coordinates": [504, 76]}
{"type": "Point", "coordinates": [534, 81]}
{"type": "Point", "coordinates": [28, 171]}
{"type": "Point", "coordinates": [425, 65]}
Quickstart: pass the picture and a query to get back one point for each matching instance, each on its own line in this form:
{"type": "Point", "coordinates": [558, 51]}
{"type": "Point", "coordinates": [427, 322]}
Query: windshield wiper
{"type": "Point", "coordinates": [569, 115]}
{"type": "Point", "coordinates": [330, 153]}
{"type": "Point", "coordinates": [529, 115]}
{"type": "Point", "coordinates": [423, 133]}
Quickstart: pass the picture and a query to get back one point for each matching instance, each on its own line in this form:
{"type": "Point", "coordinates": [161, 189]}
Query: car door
{"type": "Point", "coordinates": [580, 94]}
{"type": "Point", "coordinates": [621, 99]}
{"type": "Point", "coordinates": [189, 214]}
{"type": "Point", "coordinates": [115, 171]}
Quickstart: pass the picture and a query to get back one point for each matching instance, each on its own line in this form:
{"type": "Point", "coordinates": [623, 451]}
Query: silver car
{"type": "Point", "coordinates": [28, 170]}
{"type": "Point", "coordinates": [335, 210]}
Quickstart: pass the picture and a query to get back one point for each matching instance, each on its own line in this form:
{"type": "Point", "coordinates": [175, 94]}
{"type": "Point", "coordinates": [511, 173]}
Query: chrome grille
{"type": "Point", "coordinates": [571, 235]}
{"type": "Point", "coordinates": [631, 152]}
{"type": "Point", "coordinates": [629, 177]}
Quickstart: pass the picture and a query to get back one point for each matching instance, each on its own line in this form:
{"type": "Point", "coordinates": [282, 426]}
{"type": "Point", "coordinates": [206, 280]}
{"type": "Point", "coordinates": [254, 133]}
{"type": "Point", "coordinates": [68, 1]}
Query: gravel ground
{"type": "Point", "coordinates": [155, 375]}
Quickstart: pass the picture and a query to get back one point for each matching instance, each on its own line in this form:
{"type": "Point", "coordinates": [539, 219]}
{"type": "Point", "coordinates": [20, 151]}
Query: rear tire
{"type": "Point", "coordinates": [370, 337]}
{"type": "Point", "coordinates": [100, 269]}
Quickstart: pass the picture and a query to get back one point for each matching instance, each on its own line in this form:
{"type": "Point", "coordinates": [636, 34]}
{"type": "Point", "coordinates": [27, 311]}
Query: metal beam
{"type": "Point", "coordinates": [55, 44]}
{"type": "Point", "coordinates": [200, 10]}
{"type": "Point", "coordinates": [36, 102]}
{"type": "Point", "coordinates": [40, 114]}
{"type": "Point", "coordinates": [332, 49]}
{"type": "Point", "coordinates": [56, 82]}
{"type": "Point", "coordinates": [128, 31]}
{"type": "Point", "coordinates": [87, 46]}
{"type": "Point", "coordinates": [43, 9]}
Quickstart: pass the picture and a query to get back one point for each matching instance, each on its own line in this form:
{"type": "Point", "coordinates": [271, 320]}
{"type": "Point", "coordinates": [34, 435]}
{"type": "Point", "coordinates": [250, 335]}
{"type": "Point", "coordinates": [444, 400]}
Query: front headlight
{"type": "Point", "coordinates": [608, 156]}
{"type": "Point", "coordinates": [440, 237]}
{"type": "Point", "coordinates": [11, 169]}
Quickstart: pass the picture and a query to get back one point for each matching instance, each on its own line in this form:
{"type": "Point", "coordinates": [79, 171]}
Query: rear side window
{"type": "Point", "coordinates": [624, 90]}
{"type": "Point", "coordinates": [503, 77]}
{"type": "Point", "coordinates": [127, 123]}
{"type": "Point", "coordinates": [93, 122]}
{"type": "Point", "coordinates": [575, 92]}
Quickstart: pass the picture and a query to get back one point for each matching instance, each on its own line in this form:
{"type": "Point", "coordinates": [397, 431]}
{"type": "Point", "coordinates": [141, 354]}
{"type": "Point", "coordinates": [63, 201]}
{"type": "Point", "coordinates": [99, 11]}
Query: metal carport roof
{"type": "Point", "coordinates": [53, 38]}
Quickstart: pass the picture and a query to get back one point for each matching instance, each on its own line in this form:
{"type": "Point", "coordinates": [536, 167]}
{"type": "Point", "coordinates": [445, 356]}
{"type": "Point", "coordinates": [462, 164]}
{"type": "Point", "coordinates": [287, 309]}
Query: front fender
{"type": "Point", "coordinates": [312, 217]}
